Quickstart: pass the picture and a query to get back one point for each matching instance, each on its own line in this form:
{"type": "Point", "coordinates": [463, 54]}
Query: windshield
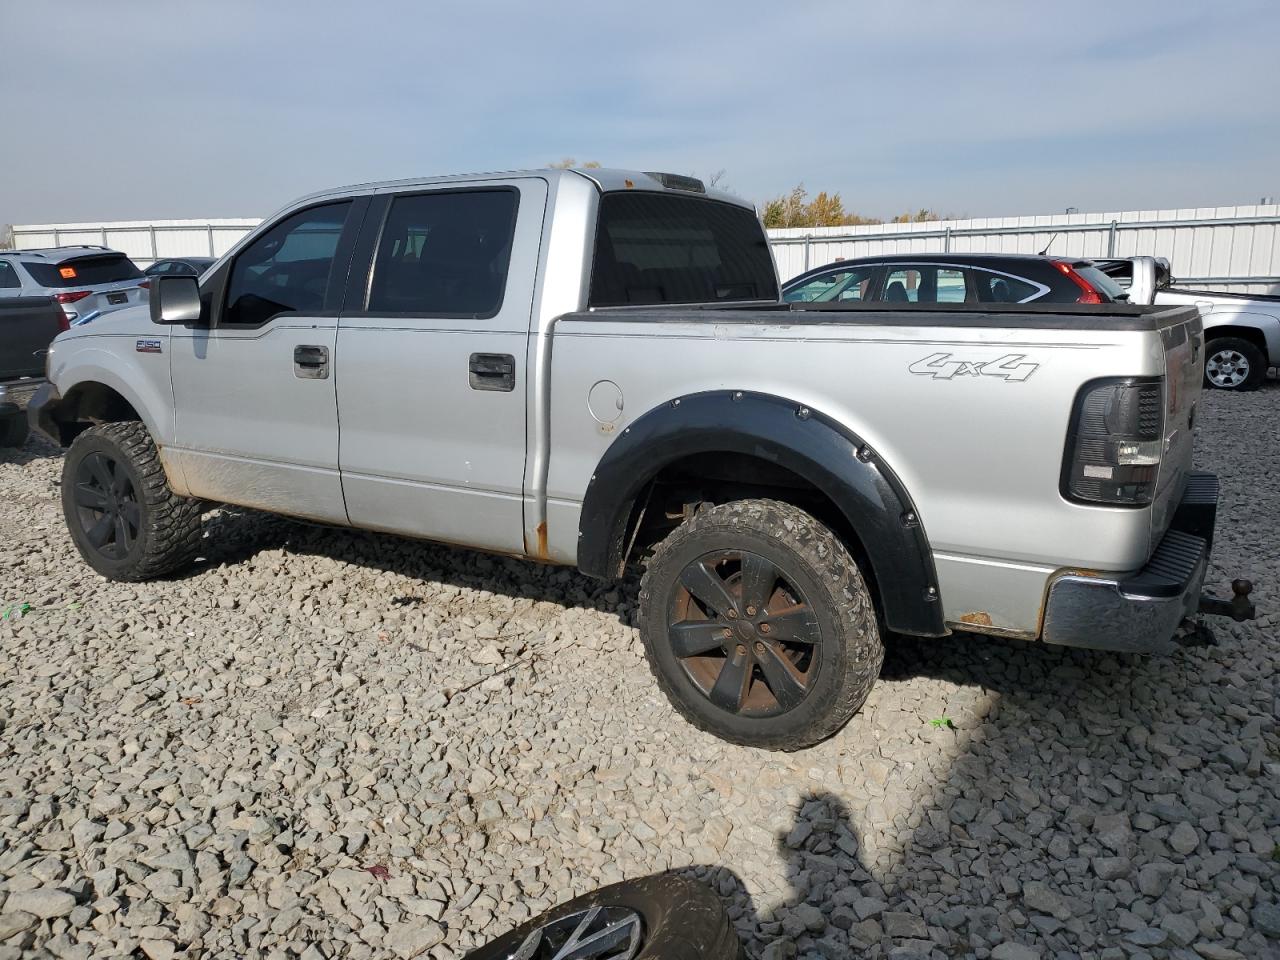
{"type": "Point", "coordinates": [666, 248]}
{"type": "Point", "coordinates": [84, 271]}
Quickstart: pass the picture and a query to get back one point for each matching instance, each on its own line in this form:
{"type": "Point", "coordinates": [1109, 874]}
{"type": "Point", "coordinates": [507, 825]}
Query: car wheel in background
{"type": "Point", "coordinates": [758, 625]}
{"type": "Point", "coordinates": [14, 429]}
{"type": "Point", "coordinates": [122, 516]}
{"type": "Point", "coordinates": [654, 918]}
{"type": "Point", "coordinates": [1233, 364]}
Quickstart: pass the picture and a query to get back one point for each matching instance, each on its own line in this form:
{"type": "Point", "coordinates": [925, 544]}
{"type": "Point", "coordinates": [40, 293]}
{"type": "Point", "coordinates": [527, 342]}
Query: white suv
{"type": "Point", "coordinates": [87, 281]}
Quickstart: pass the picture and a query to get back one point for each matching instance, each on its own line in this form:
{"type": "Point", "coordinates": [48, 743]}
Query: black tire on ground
{"type": "Point", "coordinates": [758, 625]}
{"type": "Point", "coordinates": [14, 430]}
{"type": "Point", "coordinates": [677, 918]}
{"type": "Point", "coordinates": [1233, 364]}
{"type": "Point", "coordinates": [122, 516]}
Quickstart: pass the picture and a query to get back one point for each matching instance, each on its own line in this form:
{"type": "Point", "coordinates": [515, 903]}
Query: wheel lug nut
{"type": "Point", "coordinates": [765, 628]}
{"type": "Point", "coordinates": [732, 614]}
{"type": "Point", "coordinates": [759, 647]}
{"type": "Point", "coordinates": [741, 650]}
{"type": "Point", "coordinates": [726, 633]}
{"type": "Point", "coordinates": [751, 611]}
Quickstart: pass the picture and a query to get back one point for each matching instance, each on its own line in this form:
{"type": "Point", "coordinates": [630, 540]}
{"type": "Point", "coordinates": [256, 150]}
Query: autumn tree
{"type": "Point", "coordinates": [795, 209]}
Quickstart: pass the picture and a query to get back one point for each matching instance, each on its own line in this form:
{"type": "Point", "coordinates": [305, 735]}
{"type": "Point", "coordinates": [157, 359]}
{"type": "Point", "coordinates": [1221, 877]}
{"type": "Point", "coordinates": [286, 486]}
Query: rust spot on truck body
{"type": "Point", "coordinates": [979, 618]}
{"type": "Point", "coordinates": [541, 550]}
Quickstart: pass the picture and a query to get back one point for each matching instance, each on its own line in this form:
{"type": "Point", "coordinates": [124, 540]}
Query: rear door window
{"type": "Point", "coordinates": [926, 283]}
{"type": "Point", "coordinates": [445, 254]}
{"type": "Point", "coordinates": [84, 271]}
{"type": "Point", "coordinates": [1004, 288]}
{"type": "Point", "coordinates": [851, 284]}
{"type": "Point", "coordinates": [667, 248]}
{"type": "Point", "coordinates": [9, 278]}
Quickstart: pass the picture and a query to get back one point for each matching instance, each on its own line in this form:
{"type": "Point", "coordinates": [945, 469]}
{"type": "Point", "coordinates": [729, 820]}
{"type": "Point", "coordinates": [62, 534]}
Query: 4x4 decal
{"type": "Point", "coordinates": [943, 366]}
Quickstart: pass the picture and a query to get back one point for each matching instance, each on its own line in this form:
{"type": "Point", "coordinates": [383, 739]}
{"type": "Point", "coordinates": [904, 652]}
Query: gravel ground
{"type": "Point", "coordinates": [329, 744]}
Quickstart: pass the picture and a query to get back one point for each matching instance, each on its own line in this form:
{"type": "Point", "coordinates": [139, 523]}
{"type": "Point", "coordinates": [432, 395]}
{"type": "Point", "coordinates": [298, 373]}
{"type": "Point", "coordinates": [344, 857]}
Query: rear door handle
{"type": "Point", "coordinates": [311, 362]}
{"type": "Point", "coordinates": [492, 371]}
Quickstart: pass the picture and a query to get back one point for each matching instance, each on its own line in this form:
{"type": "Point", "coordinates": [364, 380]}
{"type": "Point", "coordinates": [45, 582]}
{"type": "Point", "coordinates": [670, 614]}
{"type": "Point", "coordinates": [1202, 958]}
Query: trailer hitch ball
{"type": "Point", "coordinates": [1239, 608]}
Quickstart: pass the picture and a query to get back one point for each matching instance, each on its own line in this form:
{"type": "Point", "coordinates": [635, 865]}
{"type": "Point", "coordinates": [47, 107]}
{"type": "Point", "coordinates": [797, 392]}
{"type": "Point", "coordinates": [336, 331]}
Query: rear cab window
{"type": "Point", "coordinates": [656, 248]}
{"type": "Point", "coordinates": [84, 271]}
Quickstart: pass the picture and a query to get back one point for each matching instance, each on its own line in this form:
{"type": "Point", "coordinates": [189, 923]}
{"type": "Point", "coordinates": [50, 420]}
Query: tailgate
{"type": "Point", "coordinates": [113, 296]}
{"type": "Point", "coordinates": [1183, 380]}
{"type": "Point", "coordinates": [27, 327]}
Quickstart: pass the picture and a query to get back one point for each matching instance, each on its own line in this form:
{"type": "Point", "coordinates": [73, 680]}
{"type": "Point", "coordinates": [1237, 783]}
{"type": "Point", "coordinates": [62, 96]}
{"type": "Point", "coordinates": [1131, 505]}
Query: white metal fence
{"type": "Point", "coordinates": [1232, 248]}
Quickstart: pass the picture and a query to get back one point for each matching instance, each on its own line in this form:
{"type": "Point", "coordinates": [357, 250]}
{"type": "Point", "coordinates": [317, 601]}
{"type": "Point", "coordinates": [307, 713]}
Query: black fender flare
{"type": "Point", "coordinates": [811, 445]}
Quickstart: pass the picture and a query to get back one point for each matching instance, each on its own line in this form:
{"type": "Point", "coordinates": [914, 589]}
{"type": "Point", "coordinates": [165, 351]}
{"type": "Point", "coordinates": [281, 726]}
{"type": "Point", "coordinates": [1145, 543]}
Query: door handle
{"type": "Point", "coordinates": [311, 362]}
{"type": "Point", "coordinates": [492, 371]}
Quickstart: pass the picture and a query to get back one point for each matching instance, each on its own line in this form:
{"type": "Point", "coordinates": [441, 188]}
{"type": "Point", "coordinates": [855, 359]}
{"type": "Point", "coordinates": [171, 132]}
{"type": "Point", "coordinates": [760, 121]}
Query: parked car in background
{"type": "Point", "coordinates": [87, 281]}
{"type": "Point", "coordinates": [180, 267]}
{"type": "Point", "coordinates": [27, 327]}
{"type": "Point", "coordinates": [1241, 330]}
{"type": "Point", "coordinates": [955, 278]}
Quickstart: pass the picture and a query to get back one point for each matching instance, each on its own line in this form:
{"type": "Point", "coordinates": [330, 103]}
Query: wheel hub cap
{"type": "Point", "coordinates": [1227, 368]}
{"type": "Point", "coordinates": [744, 633]}
{"type": "Point", "coordinates": [107, 505]}
{"type": "Point", "coordinates": [597, 933]}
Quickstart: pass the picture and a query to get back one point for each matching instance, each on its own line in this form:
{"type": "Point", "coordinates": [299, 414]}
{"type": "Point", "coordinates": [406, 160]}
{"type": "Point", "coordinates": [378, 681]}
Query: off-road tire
{"type": "Point", "coordinates": [14, 430]}
{"type": "Point", "coordinates": [1252, 355]}
{"type": "Point", "coordinates": [168, 533]}
{"type": "Point", "coordinates": [850, 651]}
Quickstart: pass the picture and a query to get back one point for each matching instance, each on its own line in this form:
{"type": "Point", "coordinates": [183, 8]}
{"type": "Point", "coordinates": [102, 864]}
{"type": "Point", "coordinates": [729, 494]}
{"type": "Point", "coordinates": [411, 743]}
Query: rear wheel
{"type": "Point", "coordinates": [122, 516]}
{"type": "Point", "coordinates": [759, 626]}
{"type": "Point", "coordinates": [1234, 364]}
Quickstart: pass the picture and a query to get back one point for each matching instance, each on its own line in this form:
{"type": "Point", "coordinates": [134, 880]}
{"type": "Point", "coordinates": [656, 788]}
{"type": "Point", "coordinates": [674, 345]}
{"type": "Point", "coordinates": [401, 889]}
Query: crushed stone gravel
{"type": "Point", "coordinates": [323, 743]}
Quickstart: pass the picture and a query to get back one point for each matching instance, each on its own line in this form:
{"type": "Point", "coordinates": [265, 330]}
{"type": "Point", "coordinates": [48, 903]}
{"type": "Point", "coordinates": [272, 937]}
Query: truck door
{"type": "Point", "coordinates": [432, 390]}
{"type": "Point", "coordinates": [257, 421]}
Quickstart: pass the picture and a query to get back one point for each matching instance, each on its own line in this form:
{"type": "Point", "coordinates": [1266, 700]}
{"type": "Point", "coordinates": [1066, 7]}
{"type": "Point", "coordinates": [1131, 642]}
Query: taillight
{"type": "Point", "coordinates": [1115, 442]}
{"type": "Point", "coordinates": [64, 323]}
{"type": "Point", "coordinates": [1087, 293]}
{"type": "Point", "coordinates": [145, 285]}
{"type": "Point", "coordinates": [72, 296]}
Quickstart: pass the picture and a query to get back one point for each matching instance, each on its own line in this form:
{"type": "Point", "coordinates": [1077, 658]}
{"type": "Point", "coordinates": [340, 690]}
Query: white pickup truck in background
{"type": "Point", "coordinates": [1241, 330]}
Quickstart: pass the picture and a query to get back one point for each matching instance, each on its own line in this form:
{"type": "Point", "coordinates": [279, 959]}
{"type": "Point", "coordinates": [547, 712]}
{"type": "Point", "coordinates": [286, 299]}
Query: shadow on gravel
{"type": "Point", "coordinates": [36, 448]}
{"type": "Point", "coordinates": [1094, 802]}
{"type": "Point", "coordinates": [234, 535]}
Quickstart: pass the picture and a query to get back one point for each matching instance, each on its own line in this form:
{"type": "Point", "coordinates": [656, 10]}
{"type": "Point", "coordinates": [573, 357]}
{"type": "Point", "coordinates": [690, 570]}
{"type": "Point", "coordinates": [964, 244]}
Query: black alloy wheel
{"type": "Point", "coordinates": [744, 633]}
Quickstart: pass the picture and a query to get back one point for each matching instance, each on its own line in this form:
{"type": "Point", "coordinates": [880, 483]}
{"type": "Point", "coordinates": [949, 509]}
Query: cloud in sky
{"type": "Point", "coordinates": [154, 108]}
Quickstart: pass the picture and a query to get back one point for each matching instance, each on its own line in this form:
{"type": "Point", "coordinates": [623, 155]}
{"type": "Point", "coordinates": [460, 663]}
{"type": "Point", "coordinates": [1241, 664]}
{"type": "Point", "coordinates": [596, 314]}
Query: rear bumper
{"type": "Point", "coordinates": [1139, 612]}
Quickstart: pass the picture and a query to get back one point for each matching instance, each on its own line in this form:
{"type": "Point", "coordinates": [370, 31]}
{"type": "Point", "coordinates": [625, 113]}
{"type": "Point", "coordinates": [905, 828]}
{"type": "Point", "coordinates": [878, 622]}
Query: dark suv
{"type": "Point", "coordinates": [955, 278]}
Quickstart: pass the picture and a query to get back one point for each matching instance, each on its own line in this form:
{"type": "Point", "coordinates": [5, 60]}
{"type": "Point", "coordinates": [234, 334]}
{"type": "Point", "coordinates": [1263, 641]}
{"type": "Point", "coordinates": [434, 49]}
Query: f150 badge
{"type": "Point", "coordinates": [149, 346]}
{"type": "Point", "coordinates": [943, 366]}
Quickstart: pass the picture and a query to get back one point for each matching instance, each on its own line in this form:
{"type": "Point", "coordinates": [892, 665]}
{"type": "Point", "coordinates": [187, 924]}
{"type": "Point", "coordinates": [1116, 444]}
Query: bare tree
{"type": "Point", "coordinates": [568, 163]}
{"type": "Point", "coordinates": [6, 236]}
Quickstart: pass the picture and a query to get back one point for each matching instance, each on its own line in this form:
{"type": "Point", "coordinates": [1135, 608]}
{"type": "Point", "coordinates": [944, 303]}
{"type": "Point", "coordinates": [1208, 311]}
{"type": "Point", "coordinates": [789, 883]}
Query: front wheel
{"type": "Point", "coordinates": [758, 625]}
{"type": "Point", "coordinates": [1233, 364]}
{"type": "Point", "coordinates": [122, 516]}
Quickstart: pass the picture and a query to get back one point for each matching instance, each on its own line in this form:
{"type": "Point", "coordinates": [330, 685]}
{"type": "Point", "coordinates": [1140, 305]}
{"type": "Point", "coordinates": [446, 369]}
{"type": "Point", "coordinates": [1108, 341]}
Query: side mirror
{"type": "Point", "coordinates": [175, 300]}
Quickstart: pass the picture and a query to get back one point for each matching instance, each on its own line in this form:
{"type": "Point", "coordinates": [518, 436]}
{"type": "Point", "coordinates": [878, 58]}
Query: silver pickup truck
{"type": "Point", "coordinates": [1241, 330]}
{"type": "Point", "coordinates": [593, 368]}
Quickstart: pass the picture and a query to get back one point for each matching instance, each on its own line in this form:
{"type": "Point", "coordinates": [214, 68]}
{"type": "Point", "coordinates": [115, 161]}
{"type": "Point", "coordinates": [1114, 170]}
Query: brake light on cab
{"type": "Point", "coordinates": [1087, 292]}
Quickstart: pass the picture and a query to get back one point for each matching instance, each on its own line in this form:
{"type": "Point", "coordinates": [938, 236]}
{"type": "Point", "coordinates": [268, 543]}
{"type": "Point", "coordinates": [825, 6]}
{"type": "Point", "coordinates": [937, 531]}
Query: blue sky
{"type": "Point", "coordinates": [140, 109]}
